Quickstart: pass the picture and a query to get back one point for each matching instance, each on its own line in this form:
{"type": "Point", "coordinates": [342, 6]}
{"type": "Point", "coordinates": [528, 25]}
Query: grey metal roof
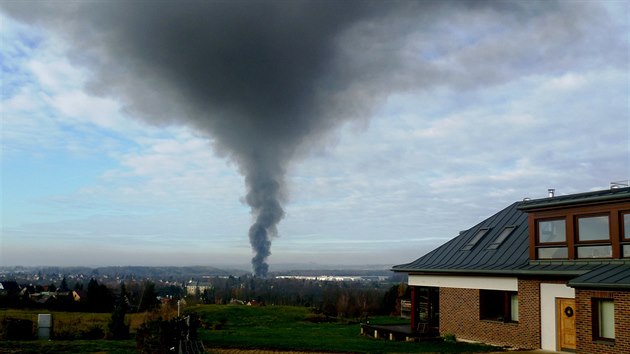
{"type": "Point", "coordinates": [512, 256]}
{"type": "Point", "coordinates": [605, 276]}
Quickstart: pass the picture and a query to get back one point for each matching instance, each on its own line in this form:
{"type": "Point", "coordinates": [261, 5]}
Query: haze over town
{"type": "Point", "coordinates": [333, 132]}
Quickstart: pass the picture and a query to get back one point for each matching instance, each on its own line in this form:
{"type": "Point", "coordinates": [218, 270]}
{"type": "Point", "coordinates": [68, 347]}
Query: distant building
{"type": "Point", "coordinates": [192, 289]}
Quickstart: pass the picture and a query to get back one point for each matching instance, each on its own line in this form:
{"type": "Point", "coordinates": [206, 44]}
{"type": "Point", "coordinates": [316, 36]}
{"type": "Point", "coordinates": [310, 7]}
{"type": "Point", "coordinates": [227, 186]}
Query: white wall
{"type": "Point", "coordinates": [465, 282]}
{"type": "Point", "coordinates": [548, 295]}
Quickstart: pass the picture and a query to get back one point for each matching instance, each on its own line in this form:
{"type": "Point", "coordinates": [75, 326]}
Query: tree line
{"type": "Point", "coordinates": [338, 299]}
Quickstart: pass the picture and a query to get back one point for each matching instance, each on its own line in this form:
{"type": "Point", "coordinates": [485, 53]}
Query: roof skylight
{"type": "Point", "coordinates": [475, 239]}
{"type": "Point", "coordinates": [499, 240]}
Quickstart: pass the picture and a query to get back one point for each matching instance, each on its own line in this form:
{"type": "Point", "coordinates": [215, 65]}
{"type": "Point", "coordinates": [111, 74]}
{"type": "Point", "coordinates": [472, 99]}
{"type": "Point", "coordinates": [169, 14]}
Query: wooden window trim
{"type": "Point", "coordinates": [615, 213]}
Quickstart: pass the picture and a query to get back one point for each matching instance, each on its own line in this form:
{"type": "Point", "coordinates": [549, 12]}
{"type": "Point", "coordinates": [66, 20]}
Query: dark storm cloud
{"type": "Point", "coordinates": [265, 79]}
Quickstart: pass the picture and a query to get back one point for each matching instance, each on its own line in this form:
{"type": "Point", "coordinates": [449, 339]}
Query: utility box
{"type": "Point", "coordinates": [44, 325]}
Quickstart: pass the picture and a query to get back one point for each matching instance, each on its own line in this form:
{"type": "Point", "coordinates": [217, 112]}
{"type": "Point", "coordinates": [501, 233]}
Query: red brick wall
{"type": "Point", "coordinates": [584, 322]}
{"type": "Point", "coordinates": [459, 315]}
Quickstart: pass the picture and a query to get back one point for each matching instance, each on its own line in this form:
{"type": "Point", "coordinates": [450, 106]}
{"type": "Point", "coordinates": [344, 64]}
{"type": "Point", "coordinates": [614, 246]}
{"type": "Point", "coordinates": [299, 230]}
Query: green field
{"type": "Point", "coordinates": [289, 328]}
{"type": "Point", "coordinates": [231, 326]}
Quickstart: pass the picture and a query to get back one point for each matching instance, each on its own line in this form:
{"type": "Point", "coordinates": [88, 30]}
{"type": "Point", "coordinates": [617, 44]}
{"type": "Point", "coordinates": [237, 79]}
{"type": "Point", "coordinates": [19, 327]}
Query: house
{"type": "Point", "coordinates": [9, 287]}
{"type": "Point", "coordinates": [550, 273]}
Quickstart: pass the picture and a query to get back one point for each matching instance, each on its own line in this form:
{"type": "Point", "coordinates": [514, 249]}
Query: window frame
{"type": "Point", "coordinates": [485, 305]}
{"type": "Point", "coordinates": [596, 314]}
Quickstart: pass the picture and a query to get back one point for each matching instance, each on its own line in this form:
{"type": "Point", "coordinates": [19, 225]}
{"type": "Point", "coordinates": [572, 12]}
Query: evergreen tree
{"type": "Point", "coordinates": [149, 300]}
{"type": "Point", "coordinates": [64, 285]}
{"type": "Point", "coordinates": [99, 298]}
{"type": "Point", "coordinates": [118, 328]}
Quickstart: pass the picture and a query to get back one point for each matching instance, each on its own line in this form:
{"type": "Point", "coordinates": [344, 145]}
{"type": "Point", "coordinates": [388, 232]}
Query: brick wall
{"type": "Point", "coordinates": [459, 315]}
{"type": "Point", "coordinates": [584, 322]}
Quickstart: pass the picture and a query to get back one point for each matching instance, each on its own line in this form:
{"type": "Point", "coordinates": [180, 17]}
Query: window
{"type": "Point", "coordinates": [552, 237]}
{"type": "Point", "coordinates": [593, 228]}
{"type": "Point", "coordinates": [603, 319]}
{"type": "Point", "coordinates": [475, 239]}
{"type": "Point", "coordinates": [552, 231]}
{"type": "Point", "coordinates": [594, 251]}
{"type": "Point", "coordinates": [625, 234]}
{"type": "Point", "coordinates": [514, 307]}
{"type": "Point", "coordinates": [496, 305]}
{"type": "Point", "coordinates": [499, 240]}
{"type": "Point", "coordinates": [553, 253]}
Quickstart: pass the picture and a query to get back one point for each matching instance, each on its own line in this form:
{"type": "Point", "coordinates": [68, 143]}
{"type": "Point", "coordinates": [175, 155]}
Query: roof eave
{"type": "Point", "coordinates": [503, 272]}
{"type": "Point", "coordinates": [544, 203]}
{"type": "Point", "coordinates": [609, 286]}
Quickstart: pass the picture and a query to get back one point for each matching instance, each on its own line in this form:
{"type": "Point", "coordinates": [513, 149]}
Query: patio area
{"type": "Point", "coordinates": [400, 332]}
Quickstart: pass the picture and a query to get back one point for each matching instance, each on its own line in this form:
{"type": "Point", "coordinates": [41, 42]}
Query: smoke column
{"type": "Point", "coordinates": [266, 80]}
{"type": "Point", "coordinates": [260, 78]}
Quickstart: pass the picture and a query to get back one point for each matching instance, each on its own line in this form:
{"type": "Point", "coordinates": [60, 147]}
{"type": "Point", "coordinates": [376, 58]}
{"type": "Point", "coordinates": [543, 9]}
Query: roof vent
{"type": "Point", "coordinates": [551, 192]}
{"type": "Point", "coordinates": [620, 184]}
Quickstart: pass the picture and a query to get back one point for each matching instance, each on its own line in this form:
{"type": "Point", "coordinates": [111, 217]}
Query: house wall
{"type": "Point", "coordinates": [459, 315]}
{"type": "Point", "coordinates": [584, 322]}
{"type": "Point", "coordinates": [464, 282]}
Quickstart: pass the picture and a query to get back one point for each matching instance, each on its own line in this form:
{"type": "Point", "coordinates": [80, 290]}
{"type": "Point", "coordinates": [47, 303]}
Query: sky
{"type": "Point", "coordinates": [224, 133]}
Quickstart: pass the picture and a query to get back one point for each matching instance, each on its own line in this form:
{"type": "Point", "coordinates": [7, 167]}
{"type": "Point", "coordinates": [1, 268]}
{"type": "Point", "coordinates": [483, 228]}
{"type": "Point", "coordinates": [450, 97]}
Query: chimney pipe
{"type": "Point", "coordinates": [552, 192]}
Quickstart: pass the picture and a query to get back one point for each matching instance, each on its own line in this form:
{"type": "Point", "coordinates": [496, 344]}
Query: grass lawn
{"type": "Point", "coordinates": [69, 346]}
{"type": "Point", "coordinates": [287, 328]}
{"type": "Point", "coordinates": [232, 326]}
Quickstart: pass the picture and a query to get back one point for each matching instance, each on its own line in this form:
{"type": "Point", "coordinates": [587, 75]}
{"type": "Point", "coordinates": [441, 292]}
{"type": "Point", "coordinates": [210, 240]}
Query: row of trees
{"type": "Point", "coordinates": [96, 297]}
{"type": "Point", "coordinates": [345, 299]}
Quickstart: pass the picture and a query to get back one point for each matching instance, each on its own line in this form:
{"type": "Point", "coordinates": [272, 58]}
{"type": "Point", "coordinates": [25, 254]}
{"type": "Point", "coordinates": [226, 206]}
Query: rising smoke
{"type": "Point", "coordinates": [265, 80]}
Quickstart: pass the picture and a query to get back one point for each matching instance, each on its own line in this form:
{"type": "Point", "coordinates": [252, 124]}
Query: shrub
{"type": "Point", "coordinates": [16, 329]}
{"type": "Point", "coordinates": [318, 318]}
{"type": "Point", "coordinates": [118, 327]}
{"type": "Point", "coordinates": [67, 329]}
{"type": "Point", "coordinates": [160, 336]}
{"type": "Point", "coordinates": [450, 338]}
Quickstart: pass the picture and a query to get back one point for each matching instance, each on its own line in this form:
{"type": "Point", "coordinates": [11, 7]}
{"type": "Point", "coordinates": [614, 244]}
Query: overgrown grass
{"type": "Point", "coordinates": [73, 322]}
{"type": "Point", "coordinates": [70, 326]}
{"type": "Point", "coordinates": [292, 328]}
